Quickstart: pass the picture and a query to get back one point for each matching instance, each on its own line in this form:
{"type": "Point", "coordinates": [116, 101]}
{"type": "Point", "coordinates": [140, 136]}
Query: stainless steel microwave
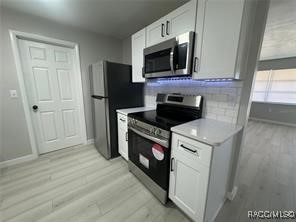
{"type": "Point", "coordinates": [169, 58]}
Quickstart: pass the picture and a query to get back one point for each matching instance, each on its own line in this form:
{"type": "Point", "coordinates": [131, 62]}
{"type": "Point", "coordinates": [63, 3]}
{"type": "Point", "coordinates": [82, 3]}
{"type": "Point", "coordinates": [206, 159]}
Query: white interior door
{"type": "Point", "coordinates": [51, 85]}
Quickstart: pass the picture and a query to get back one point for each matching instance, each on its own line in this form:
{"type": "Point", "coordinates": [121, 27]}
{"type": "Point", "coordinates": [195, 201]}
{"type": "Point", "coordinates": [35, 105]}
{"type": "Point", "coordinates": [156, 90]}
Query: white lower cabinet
{"type": "Point", "coordinates": [122, 135]}
{"type": "Point", "coordinates": [188, 186]}
{"type": "Point", "coordinates": [198, 177]}
{"type": "Point", "coordinates": [189, 176]}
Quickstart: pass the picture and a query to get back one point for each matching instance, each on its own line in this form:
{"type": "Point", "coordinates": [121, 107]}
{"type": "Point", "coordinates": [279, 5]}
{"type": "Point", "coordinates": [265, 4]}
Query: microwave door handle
{"type": "Point", "coordinates": [172, 55]}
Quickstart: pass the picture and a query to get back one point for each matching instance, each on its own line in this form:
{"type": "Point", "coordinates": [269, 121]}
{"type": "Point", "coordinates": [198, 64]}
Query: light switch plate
{"type": "Point", "coordinates": [13, 93]}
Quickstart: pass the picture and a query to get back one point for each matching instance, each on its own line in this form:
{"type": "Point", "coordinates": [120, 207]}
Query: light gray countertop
{"type": "Point", "coordinates": [134, 110]}
{"type": "Point", "coordinates": [211, 132]}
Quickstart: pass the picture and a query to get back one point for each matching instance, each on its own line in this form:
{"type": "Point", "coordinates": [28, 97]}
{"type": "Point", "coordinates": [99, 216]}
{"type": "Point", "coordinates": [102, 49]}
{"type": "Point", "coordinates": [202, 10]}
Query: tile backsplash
{"type": "Point", "coordinates": [221, 99]}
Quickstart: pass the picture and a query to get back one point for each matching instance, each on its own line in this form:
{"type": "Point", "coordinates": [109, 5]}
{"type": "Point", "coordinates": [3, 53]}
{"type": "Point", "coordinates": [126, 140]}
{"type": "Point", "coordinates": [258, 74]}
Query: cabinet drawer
{"type": "Point", "coordinates": [192, 149]}
{"type": "Point", "coordinates": [122, 120]}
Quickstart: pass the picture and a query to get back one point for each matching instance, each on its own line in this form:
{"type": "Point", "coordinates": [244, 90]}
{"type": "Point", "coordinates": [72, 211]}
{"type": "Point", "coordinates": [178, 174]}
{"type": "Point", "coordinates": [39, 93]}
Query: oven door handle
{"type": "Point", "coordinates": [164, 143]}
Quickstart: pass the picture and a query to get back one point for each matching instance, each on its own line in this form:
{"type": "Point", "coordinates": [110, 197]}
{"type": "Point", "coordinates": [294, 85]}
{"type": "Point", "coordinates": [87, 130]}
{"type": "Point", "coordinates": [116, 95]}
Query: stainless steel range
{"type": "Point", "coordinates": [149, 139]}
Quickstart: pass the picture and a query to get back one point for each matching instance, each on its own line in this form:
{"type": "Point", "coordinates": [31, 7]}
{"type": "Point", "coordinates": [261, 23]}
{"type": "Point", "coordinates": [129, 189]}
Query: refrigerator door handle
{"type": "Point", "coordinates": [99, 97]}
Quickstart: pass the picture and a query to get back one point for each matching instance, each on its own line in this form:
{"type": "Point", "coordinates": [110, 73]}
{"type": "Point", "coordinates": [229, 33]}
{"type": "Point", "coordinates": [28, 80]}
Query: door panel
{"type": "Point", "coordinates": [50, 78]}
{"type": "Point", "coordinates": [69, 123]}
{"type": "Point", "coordinates": [42, 84]}
{"type": "Point", "coordinates": [49, 126]}
{"type": "Point", "coordinates": [37, 53]}
{"type": "Point", "coordinates": [65, 84]}
{"type": "Point", "coordinates": [61, 56]}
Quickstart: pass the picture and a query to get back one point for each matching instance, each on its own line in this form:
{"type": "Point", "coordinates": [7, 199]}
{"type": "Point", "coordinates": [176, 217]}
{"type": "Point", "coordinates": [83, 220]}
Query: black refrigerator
{"type": "Point", "coordinates": [111, 89]}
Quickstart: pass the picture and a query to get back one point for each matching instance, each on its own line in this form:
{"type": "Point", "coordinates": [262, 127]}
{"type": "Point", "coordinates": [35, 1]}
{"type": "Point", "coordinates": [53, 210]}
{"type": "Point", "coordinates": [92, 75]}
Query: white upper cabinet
{"type": "Point", "coordinates": [218, 30]}
{"type": "Point", "coordinates": [175, 23]}
{"type": "Point", "coordinates": [155, 33]}
{"type": "Point", "coordinates": [138, 45]}
{"type": "Point", "coordinates": [181, 20]}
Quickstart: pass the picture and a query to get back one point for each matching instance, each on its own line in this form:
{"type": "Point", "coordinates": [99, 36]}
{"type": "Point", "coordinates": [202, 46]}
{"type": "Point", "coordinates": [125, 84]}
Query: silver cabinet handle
{"type": "Point", "coordinates": [162, 30]}
{"type": "Point", "coordinates": [196, 63]}
{"type": "Point", "coordinates": [123, 120]}
{"type": "Point", "coordinates": [167, 27]}
{"type": "Point", "coordinates": [172, 164]}
{"type": "Point", "coordinates": [186, 148]}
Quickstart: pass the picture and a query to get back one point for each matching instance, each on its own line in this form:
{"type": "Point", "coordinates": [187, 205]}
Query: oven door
{"type": "Point", "coordinates": [150, 156]}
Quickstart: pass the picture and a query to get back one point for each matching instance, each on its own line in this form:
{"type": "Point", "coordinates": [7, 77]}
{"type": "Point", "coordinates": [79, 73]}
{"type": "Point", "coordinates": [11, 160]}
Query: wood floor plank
{"type": "Point", "coordinates": [11, 199]}
{"type": "Point", "coordinates": [77, 184]}
{"type": "Point", "coordinates": [34, 213]}
{"type": "Point", "coordinates": [121, 212]}
{"type": "Point", "coordinates": [101, 194]}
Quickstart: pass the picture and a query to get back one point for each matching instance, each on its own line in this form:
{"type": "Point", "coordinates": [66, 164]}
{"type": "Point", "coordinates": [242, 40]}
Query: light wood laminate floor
{"type": "Point", "coordinates": [77, 184]}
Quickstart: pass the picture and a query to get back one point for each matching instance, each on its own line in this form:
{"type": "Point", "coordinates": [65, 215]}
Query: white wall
{"type": "Point", "coordinates": [281, 113]}
{"type": "Point", "coordinates": [127, 51]}
{"type": "Point", "coordinates": [14, 134]}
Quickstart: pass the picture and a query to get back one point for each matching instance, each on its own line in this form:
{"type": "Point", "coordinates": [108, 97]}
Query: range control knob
{"type": "Point", "coordinates": [152, 130]}
{"type": "Point", "coordinates": [157, 132]}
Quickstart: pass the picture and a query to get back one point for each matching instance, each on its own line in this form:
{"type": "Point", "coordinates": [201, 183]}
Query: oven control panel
{"type": "Point", "coordinates": [148, 128]}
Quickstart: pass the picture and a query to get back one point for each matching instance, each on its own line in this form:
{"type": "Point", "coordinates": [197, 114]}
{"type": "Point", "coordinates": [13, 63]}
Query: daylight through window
{"type": "Point", "coordinates": [277, 86]}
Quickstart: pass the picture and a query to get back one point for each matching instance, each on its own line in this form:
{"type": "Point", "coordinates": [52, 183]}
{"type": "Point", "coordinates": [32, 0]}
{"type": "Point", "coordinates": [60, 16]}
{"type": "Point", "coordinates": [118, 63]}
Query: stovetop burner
{"type": "Point", "coordinates": [160, 121]}
{"type": "Point", "coordinates": [171, 110]}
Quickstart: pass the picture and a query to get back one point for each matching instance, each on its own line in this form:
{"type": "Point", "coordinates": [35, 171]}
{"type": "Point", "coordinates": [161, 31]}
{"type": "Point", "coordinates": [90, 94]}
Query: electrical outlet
{"type": "Point", "coordinates": [13, 93]}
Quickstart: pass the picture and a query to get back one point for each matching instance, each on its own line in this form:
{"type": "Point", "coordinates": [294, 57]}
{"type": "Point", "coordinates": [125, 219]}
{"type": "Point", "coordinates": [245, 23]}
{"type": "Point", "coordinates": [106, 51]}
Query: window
{"type": "Point", "coordinates": [278, 86]}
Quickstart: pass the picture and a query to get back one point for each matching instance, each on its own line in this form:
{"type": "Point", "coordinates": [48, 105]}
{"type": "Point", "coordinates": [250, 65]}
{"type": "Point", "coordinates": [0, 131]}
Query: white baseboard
{"type": "Point", "coordinates": [17, 160]}
{"type": "Point", "coordinates": [217, 211]}
{"type": "Point", "coordinates": [272, 121]}
{"type": "Point", "coordinates": [231, 195]}
{"type": "Point", "coordinates": [90, 141]}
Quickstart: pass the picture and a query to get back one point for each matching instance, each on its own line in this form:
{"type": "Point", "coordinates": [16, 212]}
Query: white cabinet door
{"type": "Point", "coordinates": [218, 28]}
{"type": "Point", "coordinates": [155, 33]}
{"type": "Point", "coordinates": [181, 20]}
{"type": "Point", "coordinates": [138, 45]}
{"type": "Point", "coordinates": [188, 179]}
{"type": "Point", "coordinates": [122, 135]}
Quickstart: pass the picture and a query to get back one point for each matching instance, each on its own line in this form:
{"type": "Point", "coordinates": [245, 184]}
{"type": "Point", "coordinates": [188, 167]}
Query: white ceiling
{"type": "Point", "coordinates": [280, 33]}
{"type": "Point", "coordinates": [117, 18]}
{"type": "Point", "coordinates": [121, 18]}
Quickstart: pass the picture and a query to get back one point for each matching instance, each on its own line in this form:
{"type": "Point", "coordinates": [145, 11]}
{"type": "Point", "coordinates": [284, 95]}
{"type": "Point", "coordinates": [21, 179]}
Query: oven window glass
{"type": "Point", "coordinates": [158, 61]}
{"type": "Point", "coordinates": [152, 158]}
